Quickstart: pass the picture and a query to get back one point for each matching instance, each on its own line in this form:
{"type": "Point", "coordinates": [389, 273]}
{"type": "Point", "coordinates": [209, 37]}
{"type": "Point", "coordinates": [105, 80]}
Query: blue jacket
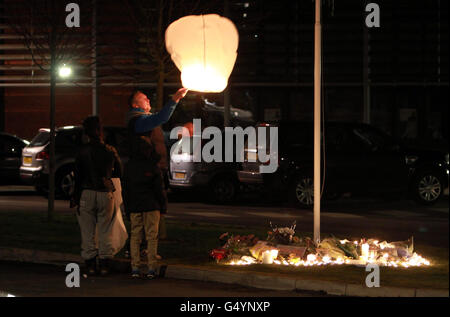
{"type": "Point", "coordinates": [145, 122]}
{"type": "Point", "coordinates": [141, 124]}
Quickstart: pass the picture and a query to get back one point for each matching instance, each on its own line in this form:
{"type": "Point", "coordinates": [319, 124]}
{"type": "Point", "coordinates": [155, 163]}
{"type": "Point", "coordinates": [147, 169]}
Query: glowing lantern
{"type": "Point", "coordinates": [204, 48]}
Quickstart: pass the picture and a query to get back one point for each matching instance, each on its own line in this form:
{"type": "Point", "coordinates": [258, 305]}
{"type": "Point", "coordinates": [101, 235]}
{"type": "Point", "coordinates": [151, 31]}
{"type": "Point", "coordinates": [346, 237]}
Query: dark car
{"type": "Point", "coordinates": [10, 157]}
{"type": "Point", "coordinates": [35, 156]}
{"type": "Point", "coordinates": [358, 158]}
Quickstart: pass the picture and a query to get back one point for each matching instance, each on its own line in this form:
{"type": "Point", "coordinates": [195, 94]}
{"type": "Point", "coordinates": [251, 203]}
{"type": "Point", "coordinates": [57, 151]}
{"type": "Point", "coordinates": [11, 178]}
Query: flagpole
{"type": "Point", "coordinates": [317, 108]}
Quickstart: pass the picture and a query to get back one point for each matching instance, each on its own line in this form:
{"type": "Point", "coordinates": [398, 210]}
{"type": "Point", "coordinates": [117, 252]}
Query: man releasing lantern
{"type": "Point", "coordinates": [204, 48]}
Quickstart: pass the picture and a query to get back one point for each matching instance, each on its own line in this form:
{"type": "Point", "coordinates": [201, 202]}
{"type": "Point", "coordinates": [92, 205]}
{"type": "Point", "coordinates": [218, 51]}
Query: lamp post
{"type": "Point", "coordinates": [63, 72]}
{"type": "Point", "coordinates": [95, 108]}
{"type": "Point", "coordinates": [317, 108]}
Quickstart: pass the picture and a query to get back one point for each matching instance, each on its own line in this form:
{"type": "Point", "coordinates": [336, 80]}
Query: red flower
{"type": "Point", "coordinates": [219, 254]}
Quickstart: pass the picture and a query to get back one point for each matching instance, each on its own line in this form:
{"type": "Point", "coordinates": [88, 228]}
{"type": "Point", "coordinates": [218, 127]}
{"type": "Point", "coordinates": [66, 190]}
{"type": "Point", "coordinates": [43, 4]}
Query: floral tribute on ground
{"type": "Point", "coordinates": [283, 247]}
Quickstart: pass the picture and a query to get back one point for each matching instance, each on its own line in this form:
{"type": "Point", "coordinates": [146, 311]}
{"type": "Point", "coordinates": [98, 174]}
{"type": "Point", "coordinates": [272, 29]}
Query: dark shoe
{"type": "Point", "coordinates": [91, 266]}
{"type": "Point", "coordinates": [151, 275]}
{"type": "Point", "coordinates": [104, 266]}
{"type": "Point", "coordinates": [135, 273]}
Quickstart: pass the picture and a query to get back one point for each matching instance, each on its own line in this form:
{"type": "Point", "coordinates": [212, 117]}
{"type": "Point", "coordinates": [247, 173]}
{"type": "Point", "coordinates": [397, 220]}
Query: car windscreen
{"type": "Point", "coordinates": [371, 139]}
{"type": "Point", "coordinates": [68, 138]}
{"type": "Point", "coordinates": [40, 139]}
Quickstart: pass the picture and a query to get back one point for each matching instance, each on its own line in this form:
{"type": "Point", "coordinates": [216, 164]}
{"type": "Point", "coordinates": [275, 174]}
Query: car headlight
{"type": "Point", "coordinates": [183, 157]}
{"type": "Point", "coordinates": [410, 159]}
{"type": "Point", "coordinates": [446, 159]}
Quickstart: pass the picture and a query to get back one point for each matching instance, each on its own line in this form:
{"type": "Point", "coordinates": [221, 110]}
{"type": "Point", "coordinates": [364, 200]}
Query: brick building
{"type": "Point", "coordinates": [386, 76]}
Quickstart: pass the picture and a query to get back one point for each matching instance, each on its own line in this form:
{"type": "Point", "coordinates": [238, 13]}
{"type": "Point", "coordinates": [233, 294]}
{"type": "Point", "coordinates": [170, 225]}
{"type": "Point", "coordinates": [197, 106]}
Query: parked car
{"type": "Point", "coordinates": [359, 159]}
{"type": "Point", "coordinates": [35, 156]}
{"type": "Point", "coordinates": [218, 178]}
{"type": "Point", "coordinates": [10, 157]}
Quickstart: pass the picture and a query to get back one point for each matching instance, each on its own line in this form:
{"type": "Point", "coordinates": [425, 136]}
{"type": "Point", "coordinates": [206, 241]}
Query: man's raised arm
{"type": "Point", "coordinates": [146, 123]}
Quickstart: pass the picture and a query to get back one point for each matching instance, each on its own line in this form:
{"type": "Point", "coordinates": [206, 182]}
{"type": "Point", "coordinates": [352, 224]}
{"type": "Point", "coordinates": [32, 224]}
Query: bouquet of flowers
{"type": "Point", "coordinates": [234, 245]}
{"type": "Point", "coordinates": [219, 254]}
{"type": "Point", "coordinates": [306, 242]}
{"type": "Point", "coordinates": [281, 235]}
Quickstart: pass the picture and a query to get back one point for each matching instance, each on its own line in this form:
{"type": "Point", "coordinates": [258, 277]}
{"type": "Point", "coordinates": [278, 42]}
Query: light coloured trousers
{"type": "Point", "coordinates": [148, 223]}
{"type": "Point", "coordinates": [96, 209]}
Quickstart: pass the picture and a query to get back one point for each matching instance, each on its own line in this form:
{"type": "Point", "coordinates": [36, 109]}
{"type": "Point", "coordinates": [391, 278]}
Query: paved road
{"type": "Point", "coordinates": [37, 280]}
{"type": "Point", "coordinates": [386, 219]}
{"type": "Point", "coordinates": [391, 220]}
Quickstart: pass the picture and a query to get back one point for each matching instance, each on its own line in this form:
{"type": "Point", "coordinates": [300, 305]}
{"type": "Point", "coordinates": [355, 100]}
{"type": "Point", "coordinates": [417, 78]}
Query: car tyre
{"type": "Point", "coordinates": [427, 187]}
{"type": "Point", "coordinates": [302, 191]}
{"type": "Point", "coordinates": [65, 180]}
{"type": "Point", "coordinates": [223, 189]}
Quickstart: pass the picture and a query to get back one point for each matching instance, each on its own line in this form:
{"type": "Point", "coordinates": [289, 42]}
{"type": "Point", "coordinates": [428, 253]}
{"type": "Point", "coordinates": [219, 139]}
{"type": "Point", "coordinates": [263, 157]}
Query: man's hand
{"type": "Point", "coordinates": [179, 94]}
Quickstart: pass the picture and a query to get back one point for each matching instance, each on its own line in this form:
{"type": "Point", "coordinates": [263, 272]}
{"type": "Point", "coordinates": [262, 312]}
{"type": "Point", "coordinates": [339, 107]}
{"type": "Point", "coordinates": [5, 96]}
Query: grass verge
{"type": "Point", "coordinates": [190, 244]}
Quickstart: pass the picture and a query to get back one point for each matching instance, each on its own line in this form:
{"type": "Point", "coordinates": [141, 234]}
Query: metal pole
{"type": "Point", "coordinates": [317, 108]}
{"type": "Point", "coordinates": [94, 59]}
{"type": "Point", "coordinates": [226, 93]}
{"type": "Point", "coordinates": [366, 74]}
{"type": "Point", "coordinates": [51, 180]}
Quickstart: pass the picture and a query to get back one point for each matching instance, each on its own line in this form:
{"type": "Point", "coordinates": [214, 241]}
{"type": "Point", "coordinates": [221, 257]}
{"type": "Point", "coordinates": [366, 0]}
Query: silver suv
{"type": "Point", "coordinates": [220, 179]}
{"type": "Point", "coordinates": [35, 156]}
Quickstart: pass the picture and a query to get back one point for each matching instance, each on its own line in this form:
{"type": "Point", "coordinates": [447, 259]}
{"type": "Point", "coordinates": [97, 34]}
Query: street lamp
{"type": "Point", "coordinates": [64, 71]}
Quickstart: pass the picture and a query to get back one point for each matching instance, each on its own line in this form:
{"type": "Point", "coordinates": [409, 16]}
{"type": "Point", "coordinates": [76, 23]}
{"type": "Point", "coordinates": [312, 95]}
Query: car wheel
{"type": "Point", "coordinates": [65, 181]}
{"type": "Point", "coordinates": [223, 190]}
{"type": "Point", "coordinates": [302, 191]}
{"type": "Point", "coordinates": [427, 187]}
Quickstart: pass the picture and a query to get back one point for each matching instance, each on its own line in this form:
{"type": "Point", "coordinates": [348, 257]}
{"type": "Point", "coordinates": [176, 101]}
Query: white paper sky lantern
{"type": "Point", "coordinates": [204, 48]}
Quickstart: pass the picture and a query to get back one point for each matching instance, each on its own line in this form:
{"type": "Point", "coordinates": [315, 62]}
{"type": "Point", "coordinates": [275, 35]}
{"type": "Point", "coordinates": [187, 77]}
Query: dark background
{"type": "Point", "coordinates": [394, 77]}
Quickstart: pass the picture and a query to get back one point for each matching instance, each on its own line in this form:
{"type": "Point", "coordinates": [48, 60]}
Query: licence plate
{"type": "Point", "coordinates": [179, 175]}
{"type": "Point", "coordinates": [27, 160]}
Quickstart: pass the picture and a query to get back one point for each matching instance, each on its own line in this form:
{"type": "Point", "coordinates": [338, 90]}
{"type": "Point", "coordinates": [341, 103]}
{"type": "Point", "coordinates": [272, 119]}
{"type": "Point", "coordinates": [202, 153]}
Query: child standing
{"type": "Point", "coordinates": [144, 200]}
